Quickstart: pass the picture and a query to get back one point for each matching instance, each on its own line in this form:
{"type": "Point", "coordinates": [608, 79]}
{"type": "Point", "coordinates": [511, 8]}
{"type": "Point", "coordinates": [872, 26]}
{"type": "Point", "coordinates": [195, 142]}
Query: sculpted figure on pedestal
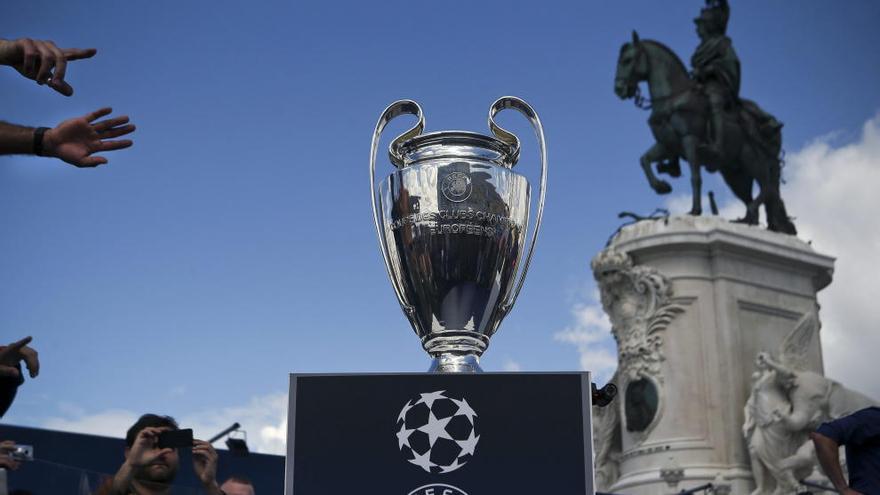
{"type": "Point", "coordinates": [638, 301]}
{"type": "Point", "coordinates": [786, 403]}
{"type": "Point", "coordinates": [698, 116]}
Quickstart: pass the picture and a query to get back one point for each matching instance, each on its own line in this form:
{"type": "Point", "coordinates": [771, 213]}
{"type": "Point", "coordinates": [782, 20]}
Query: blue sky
{"type": "Point", "coordinates": [233, 243]}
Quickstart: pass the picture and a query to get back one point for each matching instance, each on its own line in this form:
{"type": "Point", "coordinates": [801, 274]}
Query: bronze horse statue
{"type": "Point", "coordinates": [678, 121]}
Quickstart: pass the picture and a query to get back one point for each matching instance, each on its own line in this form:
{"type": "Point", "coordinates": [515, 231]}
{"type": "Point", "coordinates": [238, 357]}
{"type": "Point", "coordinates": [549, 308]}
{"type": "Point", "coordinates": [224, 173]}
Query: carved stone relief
{"type": "Point", "coordinates": [639, 302]}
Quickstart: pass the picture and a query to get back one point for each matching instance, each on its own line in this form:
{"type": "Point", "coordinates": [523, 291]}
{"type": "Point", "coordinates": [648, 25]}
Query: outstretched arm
{"type": "Point", "coordinates": [42, 61]}
{"type": "Point", "coordinates": [828, 453]}
{"type": "Point", "coordinates": [75, 140]}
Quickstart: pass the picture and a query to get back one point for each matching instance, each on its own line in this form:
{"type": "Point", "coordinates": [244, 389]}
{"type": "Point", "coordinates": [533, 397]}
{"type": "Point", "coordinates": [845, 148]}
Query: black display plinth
{"type": "Point", "coordinates": [439, 434]}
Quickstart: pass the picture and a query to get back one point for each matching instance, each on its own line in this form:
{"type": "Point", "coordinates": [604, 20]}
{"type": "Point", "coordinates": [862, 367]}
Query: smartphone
{"type": "Point", "coordinates": [175, 439]}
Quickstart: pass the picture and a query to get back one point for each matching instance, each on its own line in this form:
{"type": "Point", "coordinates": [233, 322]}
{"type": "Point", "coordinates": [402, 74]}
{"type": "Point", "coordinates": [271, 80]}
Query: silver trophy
{"type": "Point", "coordinates": [452, 223]}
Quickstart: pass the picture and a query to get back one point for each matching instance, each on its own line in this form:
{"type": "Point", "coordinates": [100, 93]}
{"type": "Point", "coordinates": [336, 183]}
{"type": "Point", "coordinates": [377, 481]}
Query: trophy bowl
{"type": "Point", "coordinates": [452, 222]}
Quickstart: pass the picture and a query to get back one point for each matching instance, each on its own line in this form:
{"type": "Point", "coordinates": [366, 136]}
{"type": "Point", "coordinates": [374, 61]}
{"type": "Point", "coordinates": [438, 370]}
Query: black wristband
{"type": "Point", "coordinates": [38, 140]}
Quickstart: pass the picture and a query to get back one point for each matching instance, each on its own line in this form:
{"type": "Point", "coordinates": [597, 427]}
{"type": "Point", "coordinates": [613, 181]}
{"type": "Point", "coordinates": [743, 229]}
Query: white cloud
{"type": "Point", "coordinates": [834, 191]}
{"type": "Point", "coordinates": [110, 423]}
{"type": "Point", "coordinates": [680, 204]}
{"type": "Point", "coordinates": [511, 365]}
{"type": "Point", "coordinates": [591, 334]}
{"type": "Point", "coordinates": [263, 418]}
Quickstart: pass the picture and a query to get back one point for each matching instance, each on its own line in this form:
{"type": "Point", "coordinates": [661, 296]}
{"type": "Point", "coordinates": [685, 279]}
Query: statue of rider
{"type": "Point", "coordinates": [716, 67]}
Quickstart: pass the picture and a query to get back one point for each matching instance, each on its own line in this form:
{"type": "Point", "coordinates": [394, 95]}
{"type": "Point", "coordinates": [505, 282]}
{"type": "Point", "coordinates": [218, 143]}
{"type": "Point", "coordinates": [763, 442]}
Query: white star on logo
{"type": "Point", "coordinates": [429, 398]}
{"type": "Point", "coordinates": [403, 437]}
{"type": "Point", "coordinates": [405, 409]}
{"type": "Point", "coordinates": [464, 409]}
{"type": "Point", "coordinates": [423, 461]}
{"type": "Point", "coordinates": [436, 428]}
{"type": "Point", "coordinates": [468, 446]}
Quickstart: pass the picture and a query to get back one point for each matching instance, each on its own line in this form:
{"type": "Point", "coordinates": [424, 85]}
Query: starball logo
{"type": "Point", "coordinates": [438, 433]}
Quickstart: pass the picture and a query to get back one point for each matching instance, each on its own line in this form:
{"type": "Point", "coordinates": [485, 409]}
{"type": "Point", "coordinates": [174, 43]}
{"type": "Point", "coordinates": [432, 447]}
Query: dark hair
{"type": "Point", "coordinates": [146, 421]}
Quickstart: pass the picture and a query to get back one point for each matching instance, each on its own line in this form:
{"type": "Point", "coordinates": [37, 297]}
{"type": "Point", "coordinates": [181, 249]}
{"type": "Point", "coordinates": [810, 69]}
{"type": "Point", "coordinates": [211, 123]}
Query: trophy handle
{"type": "Point", "coordinates": [524, 108]}
{"type": "Point", "coordinates": [396, 109]}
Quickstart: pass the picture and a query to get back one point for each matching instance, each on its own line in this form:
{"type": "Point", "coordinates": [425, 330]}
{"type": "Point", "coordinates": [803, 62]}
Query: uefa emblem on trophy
{"type": "Point", "coordinates": [452, 221]}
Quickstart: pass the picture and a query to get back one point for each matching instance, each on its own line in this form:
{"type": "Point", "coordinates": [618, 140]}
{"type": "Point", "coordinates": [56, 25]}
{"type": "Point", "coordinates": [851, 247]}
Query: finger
{"type": "Point", "coordinates": [15, 346]}
{"type": "Point", "coordinates": [60, 62]}
{"type": "Point", "coordinates": [91, 161]}
{"type": "Point", "coordinates": [29, 58]}
{"type": "Point", "coordinates": [31, 361]}
{"type": "Point", "coordinates": [107, 124]}
{"type": "Point", "coordinates": [150, 431]}
{"type": "Point", "coordinates": [204, 447]}
{"type": "Point", "coordinates": [115, 145]}
{"type": "Point", "coordinates": [62, 87]}
{"type": "Point", "coordinates": [47, 61]}
{"type": "Point", "coordinates": [117, 131]}
{"type": "Point", "coordinates": [79, 53]}
{"type": "Point", "coordinates": [10, 371]}
{"type": "Point", "coordinates": [97, 114]}
{"type": "Point", "coordinates": [203, 456]}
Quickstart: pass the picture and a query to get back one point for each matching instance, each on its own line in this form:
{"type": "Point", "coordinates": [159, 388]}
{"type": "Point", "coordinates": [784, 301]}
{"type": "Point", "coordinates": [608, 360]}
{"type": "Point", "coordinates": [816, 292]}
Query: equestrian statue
{"type": "Point", "coordinates": [700, 117]}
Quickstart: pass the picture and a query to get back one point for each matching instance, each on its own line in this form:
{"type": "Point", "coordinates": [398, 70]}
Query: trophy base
{"type": "Point", "coordinates": [455, 363]}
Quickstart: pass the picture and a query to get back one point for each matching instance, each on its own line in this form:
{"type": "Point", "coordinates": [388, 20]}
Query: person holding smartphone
{"type": "Point", "coordinates": [152, 461]}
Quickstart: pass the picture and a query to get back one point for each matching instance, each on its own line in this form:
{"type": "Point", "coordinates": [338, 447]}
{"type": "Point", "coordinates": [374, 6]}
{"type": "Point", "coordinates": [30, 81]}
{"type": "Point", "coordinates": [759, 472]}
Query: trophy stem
{"type": "Point", "coordinates": [449, 362]}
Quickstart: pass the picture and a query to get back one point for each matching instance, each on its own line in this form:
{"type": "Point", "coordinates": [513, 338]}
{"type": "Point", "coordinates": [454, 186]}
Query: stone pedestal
{"type": "Point", "coordinates": [722, 292]}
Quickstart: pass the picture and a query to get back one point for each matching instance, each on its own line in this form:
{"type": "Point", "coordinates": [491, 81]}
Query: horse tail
{"type": "Point", "coordinates": [777, 217]}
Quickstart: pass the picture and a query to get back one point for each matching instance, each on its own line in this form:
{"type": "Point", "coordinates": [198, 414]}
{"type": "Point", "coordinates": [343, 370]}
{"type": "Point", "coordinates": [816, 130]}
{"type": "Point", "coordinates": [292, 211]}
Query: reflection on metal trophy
{"type": "Point", "coordinates": [452, 223]}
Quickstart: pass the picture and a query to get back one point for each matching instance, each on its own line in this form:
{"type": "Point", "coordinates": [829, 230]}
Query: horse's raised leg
{"type": "Point", "coordinates": [689, 144]}
{"type": "Point", "coordinates": [654, 154]}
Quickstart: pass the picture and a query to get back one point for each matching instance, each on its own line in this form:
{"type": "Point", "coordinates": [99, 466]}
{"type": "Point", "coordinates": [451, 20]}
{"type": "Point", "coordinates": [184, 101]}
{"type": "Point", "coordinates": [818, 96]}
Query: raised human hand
{"type": "Point", "coordinates": [42, 61]}
{"type": "Point", "coordinates": [143, 451]}
{"type": "Point", "coordinates": [205, 465]}
{"type": "Point", "coordinates": [6, 460]}
{"type": "Point", "coordinates": [11, 355]}
{"type": "Point", "coordinates": [75, 140]}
